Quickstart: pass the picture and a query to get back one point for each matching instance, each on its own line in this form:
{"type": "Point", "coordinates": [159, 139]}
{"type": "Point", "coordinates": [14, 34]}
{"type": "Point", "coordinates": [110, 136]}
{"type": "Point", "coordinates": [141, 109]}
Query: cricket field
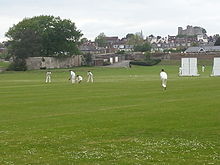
{"type": "Point", "coordinates": [123, 118]}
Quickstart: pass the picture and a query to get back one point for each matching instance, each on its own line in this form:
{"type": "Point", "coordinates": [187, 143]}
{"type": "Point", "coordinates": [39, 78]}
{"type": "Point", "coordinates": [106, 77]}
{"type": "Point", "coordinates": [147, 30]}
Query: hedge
{"type": "Point", "coordinates": [149, 62]}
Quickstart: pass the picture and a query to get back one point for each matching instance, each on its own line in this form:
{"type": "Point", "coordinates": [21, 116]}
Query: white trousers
{"type": "Point", "coordinates": [90, 79]}
{"type": "Point", "coordinates": [164, 82]}
{"type": "Point", "coordinates": [48, 79]}
{"type": "Point", "coordinates": [73, 79]}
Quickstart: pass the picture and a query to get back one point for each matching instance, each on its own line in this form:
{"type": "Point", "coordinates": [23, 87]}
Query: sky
{"type": "Point", "coordinates": [117, 17]}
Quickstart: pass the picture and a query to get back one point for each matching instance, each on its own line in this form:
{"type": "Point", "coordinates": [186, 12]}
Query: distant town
{"type": "Point", "coordinates": [192, 36]}
{"type": "Point", "coordinates": [191, 39]}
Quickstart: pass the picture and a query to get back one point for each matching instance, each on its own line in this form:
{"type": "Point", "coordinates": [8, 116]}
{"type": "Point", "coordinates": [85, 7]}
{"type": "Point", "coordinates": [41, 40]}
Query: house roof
{"type": "Point", "coordinates": [111, 38]}
{"type": "Point", "coordinates": [194, 50]}
{"type": "Point", "coordinates": [87, 48]}
{"type": "Point", "coordinates": [212, 48]}
{"type": "Point", "coordinates": [2, 49]}
{"type": "Point", "coordinates": [203, 49]}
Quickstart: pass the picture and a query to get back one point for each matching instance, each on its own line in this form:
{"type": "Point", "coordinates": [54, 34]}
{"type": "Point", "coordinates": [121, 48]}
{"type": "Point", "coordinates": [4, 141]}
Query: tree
{"type": "Point", "coordinates": [101, 40]}
{"type": "Point", "coordinates": [136, 39]}
{"type": "Point", "coordinates": [27, 45]}
{"type": "Point", "coordinates": [129, 35]}
{"type": "Point", "coordinates": [43, 36]}
{"type": "Point", "coordinates": [217, 42]}
{"type": "Point", "coordinates": [88, 59]}
{"type": "Point", "coordinates": [84, 40]}
{"type": "Point", "coordinates": [145, 47]}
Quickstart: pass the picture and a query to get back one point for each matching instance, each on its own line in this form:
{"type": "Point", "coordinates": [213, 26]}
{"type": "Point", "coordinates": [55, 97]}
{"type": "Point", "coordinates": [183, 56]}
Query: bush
{"type": "Point", "coordinates": [120, 52]}
{"type": "Point", "coordinates": [88, 59]}
{"type": "Point", "coordinates": [147, 55]}
{"type": "Point", "coordinates": [142, 48]}
{"type": "Point", "coordinates": [5, 56]}
{"type": "Point", "coordinates": [18, 65]}
{"type": "Point", "coordinates": [106, 63]}
{"type": "Point", "coordinates": [149, 62]}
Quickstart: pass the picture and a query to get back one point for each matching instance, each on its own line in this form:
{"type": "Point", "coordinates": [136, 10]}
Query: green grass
{"type": "Point", "coordinates": [123, 118]}
{"type": "Point", "coordinates": [4, 64]}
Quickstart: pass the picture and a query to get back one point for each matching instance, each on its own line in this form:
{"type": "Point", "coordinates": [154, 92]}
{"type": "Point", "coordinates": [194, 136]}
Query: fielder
{"type": "Point", "coordinates": [163, 77]}
{"type": "Point", "coordinates": [180, 71]}
{"type": "Point", "coordinates": [79, 79]}
{"type": "Point", "coordinates": [72, 76]}
{"type": "Point", "coordinates": [48, 77]}
{"type": "Point", "coordinates": [90, 76]}
{"type": "Point", "coordinates": [203, 68]}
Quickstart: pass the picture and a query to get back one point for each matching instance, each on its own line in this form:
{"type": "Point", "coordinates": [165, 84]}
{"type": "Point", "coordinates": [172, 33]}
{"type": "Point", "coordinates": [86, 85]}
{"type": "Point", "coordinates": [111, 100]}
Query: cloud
{"type": "Point", "coordinates": [118, 17]}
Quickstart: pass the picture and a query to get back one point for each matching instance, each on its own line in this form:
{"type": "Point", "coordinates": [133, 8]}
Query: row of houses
{"type": "Point", "coordinates": [113, 45]}
{"type": "Point", "coordinates": [191, 36]}
{"type": "Point", "coordinates": [180, 42]}
{"type": "Point", "coordinates": [158, 44]}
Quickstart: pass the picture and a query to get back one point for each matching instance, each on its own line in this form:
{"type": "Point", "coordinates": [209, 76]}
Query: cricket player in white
{"type": "Point", "coordinates": [48, 77]}
{"type": "Point", "coordinates": [180, 71]}
{"type": "Point", "coordinates": [72, 76]}
{"type": "Point", "coordinates": [90, 76]}
{"type": "Point", "coordinates": [203, 68]}
{"type": "Point", "coordinates": [163, 77]}
{"type": "Point", "coordinates": [79, 79]}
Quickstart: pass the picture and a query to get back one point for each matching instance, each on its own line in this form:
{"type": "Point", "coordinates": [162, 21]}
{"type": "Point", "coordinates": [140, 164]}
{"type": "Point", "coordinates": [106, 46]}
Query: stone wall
{"type": "Point", "coordinates": [53, 62]}
{"type": "Point", "coordinates": [98, 59]}
{"type": "Point", "coordinates": [2, 69]}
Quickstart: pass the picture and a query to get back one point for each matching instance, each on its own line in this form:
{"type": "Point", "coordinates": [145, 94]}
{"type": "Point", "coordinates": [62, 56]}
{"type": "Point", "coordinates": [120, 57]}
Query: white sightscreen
{"type": "Point", "coordinates": [116, 59]}
{"type": "Point", "coordinates": [185, 66]}
{"type": "Point", "coordinates": [216, 67]}
{"type": "Point", "coordinates": [193, 67]}
{"type": "Point", "coordinates": [111, 60]}
{"type": "Point", "coordinates": [189, 67]}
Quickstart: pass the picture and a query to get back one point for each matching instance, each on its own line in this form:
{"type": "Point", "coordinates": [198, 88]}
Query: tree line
{"type": "Point", "coordinates": [49, 36]}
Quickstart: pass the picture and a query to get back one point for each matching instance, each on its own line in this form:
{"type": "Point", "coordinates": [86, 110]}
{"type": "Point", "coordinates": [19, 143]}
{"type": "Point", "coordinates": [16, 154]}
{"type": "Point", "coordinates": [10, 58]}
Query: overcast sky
{"type": "Point", "coordinates": [117, 17]}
